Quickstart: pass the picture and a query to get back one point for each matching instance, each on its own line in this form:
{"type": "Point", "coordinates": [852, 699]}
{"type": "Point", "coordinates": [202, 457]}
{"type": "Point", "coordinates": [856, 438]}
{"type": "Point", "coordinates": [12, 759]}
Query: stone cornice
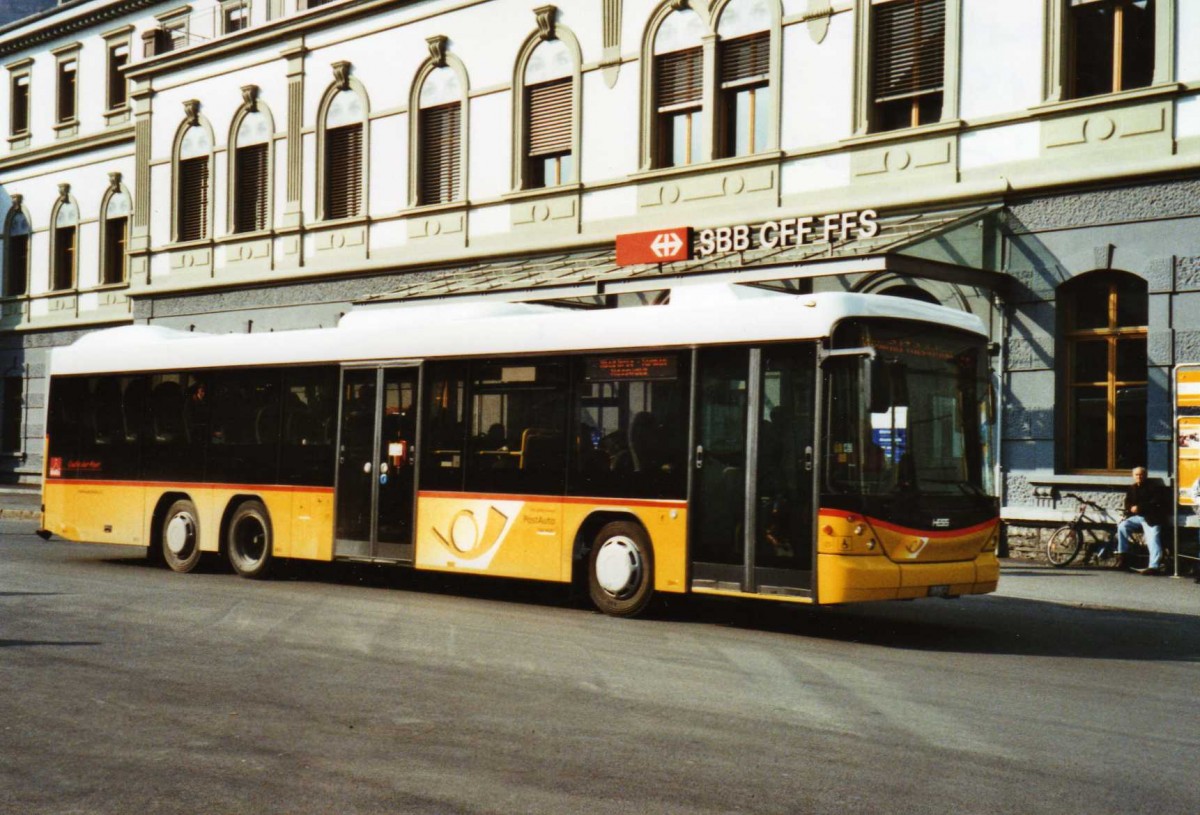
{"type": "Point", "coordinates": [66, 148]}
{"type": "Point", "coordinates": [57, 27]}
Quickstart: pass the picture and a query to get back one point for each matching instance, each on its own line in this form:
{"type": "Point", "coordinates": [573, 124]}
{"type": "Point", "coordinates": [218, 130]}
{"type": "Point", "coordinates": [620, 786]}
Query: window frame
{"type": "Point", "coordinates": [205, 191]}
{"type": "Point", "coordinates": [439, 59]}
{"type": "Point", "coordinates": [114, 78]}
{"type": "Point", "coordinates": [106, 238]}
{"type": "Point", "coordinates": [236, 181]}
{"type": "Point", "coordinates": [728, 91]}
{"type": "Point", "coordinates": [526, 175]}
{"type": "Point", "coordinates": [66, 84]}
{"type": "Point", "coordinates": [61, 250]}
{"type": "Point", "coordinates": [1058, 48]}
{"type": "Point", "coordinates": [229, 8]}
{"type": "Point", "coordinates": [343, 82]}
{"type": "Point", "coordinates": [1111, 334]}
{"type": "Point", "coordinates": [20, 74]}
{"type": "Point", "coordinates": [7, 290]}
{"type": "Point", "coordinates": [865, 105]}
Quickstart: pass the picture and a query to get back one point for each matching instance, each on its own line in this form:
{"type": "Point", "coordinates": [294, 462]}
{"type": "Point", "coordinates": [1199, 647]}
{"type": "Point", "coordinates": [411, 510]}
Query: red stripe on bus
{"type": "Point", "coordinates": [908, 530]}
{"type": "Point", "coordinates": [87, 482]}
{"type": "Point", "coordinates": [555, 499]}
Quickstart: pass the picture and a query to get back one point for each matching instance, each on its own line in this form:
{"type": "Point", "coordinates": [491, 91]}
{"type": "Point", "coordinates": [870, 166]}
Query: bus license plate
{"type": "Point", "coordinates": [939, 591]}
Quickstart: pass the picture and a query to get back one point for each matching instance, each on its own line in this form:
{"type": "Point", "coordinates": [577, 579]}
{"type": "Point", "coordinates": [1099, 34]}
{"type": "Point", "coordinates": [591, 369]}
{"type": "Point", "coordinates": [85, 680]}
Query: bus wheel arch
{"type": "Point", "coordinates": [176, 527]}
{"type": "Point", "coordinates": [620, 571]}
{"type": "Point", "coordinates": [247, 537]}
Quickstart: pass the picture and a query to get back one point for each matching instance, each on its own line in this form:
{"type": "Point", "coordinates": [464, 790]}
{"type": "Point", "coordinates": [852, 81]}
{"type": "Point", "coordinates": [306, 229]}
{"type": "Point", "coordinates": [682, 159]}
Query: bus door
{"type": "Point", "coordinates": [752, 485]}
{"type": "Point", "coordinates": [376, 484]}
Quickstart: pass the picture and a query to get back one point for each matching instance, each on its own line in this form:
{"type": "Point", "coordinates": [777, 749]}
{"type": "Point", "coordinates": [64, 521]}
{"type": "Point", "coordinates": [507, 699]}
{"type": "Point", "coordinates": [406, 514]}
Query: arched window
{"type": "Point", "coordinates": [1104, 319]}
{"type": "Point", "coordinates": [678, 88]}
{"type": "Point", "coordinates": [114, 233]}
{"type": "Point", "coordinates": [64, 237]}
{"type": "Point", "coordinates": [193, 183]}
{"type": "Point", "coordinates": [344, 136]}
{"type": "Point", "coordinates": [744, 77]}
{"type": "Point", "coordinates": [250, 187]}
{"type": "Point", "coordinates": [439, 137]}
{"type": "Point", "coordinates": [549, 115]}
{"type": "Point", "coordinates": [17, 232]}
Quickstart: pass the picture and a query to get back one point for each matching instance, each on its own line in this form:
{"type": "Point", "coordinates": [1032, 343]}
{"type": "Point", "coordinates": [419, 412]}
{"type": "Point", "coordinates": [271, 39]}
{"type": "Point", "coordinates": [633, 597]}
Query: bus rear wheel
{"type": "Point", "coordinates": [248, 541]}
{"type": "Point", "coordinates": [621, 570]}
{"type": "Point", "coordinates": [181, 536]}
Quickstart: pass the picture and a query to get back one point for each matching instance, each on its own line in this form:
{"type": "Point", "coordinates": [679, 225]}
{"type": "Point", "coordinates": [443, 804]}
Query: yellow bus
{"type": "Point", "coordinates": [826, 448]}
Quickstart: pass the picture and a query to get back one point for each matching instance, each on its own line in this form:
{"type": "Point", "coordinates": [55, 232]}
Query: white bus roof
{"type": "Point", "coordinates": [695, 315]}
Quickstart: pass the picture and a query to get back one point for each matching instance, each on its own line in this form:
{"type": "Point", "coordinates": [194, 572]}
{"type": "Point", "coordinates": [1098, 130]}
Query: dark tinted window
{"type": "Point", "coordinates": [517, 442]}
{"type": "Point", "coordinates": [630, 426]}
{"type": "Point", "coordinates": [244, 427]}
{"type": "Point", "coordinates": [308, 427]}
{"type": "Point", "coordinates": [445, 426]}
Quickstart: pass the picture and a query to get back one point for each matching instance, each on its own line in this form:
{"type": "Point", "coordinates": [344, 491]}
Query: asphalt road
{"type": "Point", "coordinates": [125, 688]}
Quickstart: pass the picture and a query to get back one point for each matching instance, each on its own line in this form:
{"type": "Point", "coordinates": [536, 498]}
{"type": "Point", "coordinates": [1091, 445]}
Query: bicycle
{"type": "Point", "coordinates": [1068, 540]}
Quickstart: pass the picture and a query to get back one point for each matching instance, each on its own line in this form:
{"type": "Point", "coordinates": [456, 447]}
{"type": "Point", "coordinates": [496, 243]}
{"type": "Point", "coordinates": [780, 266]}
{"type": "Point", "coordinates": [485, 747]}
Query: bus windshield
{"type": "Point", "coordinates": [915, 417]}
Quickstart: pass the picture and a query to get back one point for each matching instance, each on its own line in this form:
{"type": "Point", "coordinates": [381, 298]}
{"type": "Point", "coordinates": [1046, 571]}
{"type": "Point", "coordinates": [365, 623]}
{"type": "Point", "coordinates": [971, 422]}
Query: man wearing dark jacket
{"type": "Point", "coordinates": [1145, 510]}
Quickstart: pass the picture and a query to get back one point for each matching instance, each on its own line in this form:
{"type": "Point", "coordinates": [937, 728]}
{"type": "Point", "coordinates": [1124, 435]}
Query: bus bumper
{"type": "Point", "coordinates": [853, 579]}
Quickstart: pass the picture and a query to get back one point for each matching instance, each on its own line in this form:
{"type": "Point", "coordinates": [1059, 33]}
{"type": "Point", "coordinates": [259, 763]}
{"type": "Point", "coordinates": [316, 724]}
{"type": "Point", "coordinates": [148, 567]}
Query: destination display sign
{"type": "Point", "coordinates": [623, 367]}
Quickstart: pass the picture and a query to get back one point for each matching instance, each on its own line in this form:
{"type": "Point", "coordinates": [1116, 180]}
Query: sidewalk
{"type": "Point", "coordinates": [19, 502]}
{"type": "Point", "coordinates": [1090, 587]}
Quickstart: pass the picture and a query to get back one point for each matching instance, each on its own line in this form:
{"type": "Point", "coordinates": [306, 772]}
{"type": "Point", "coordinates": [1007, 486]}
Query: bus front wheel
{"type": "Point", "coordinates": [181, 536]}
{"type": "Point", "coordinates": [248, 542]}
{"type": "Point", "coordinates": [621, 570]}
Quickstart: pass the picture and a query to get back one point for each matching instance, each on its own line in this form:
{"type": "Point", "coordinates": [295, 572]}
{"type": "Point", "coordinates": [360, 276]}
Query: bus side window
{"type": "Point", "coordinates": [309, 414]}
{"type": "Point", "coordinates": [67, 398]}
{"type": "Point", "coordinates": [445, 426]}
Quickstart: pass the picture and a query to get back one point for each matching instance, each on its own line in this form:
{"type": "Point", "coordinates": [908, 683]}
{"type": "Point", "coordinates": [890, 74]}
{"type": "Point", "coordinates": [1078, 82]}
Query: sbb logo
{"type": "Point", "coordinates": [659, 246]}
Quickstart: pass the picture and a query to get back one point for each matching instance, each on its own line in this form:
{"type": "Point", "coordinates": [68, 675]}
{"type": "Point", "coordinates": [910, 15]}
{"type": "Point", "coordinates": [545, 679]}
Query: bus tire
{"type": "Point", "coordinates": [248, 540]}
{"type": "Point", "coordinates": [181, 536]}
{"type": "Point", "coordinates": [621, 570]}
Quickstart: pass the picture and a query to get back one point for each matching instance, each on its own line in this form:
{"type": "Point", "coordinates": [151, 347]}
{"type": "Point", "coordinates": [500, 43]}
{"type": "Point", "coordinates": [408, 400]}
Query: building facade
{"type": "Point", "coordinates": [260, 165]}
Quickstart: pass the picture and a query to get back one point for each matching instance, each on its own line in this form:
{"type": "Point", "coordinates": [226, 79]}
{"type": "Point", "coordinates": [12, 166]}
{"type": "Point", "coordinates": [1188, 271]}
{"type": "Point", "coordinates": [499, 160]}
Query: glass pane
{"type": "Point", "coordinates": [742, 122]}
{"type": "Point", "coordinates": [1131, 360]}
{"type": "Point", "coordinates": [1133, 308]}
{"type": "Point", "coordinates": [697, 120]}
{"type": "Point", "coordinates": [1131, 428]}
{"type": "Point", "coordinates": [1088, 305]}
{"type": "Point", "coordinates": [785, 454]}
{"type": "Point", "coordinates": [679, 140]}
{"type": "Point", "coordinates": [1089, 361]}
{"type": "Point", "coordinates": [720, 486]}
{"type": "Point", "coordinates": [1093, 48]}
{"type": "Point", "coordinates": [1089, 436]}
{"type": "Point", "coordinates": [762, 118]}
{"type": "Point", "coordinates": [1137, 65]}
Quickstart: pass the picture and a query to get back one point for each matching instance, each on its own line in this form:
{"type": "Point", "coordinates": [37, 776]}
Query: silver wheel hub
{"type": "Point", "coordinates": [618, 565]}
{"type": "Point", "coordinates": [180, 533]}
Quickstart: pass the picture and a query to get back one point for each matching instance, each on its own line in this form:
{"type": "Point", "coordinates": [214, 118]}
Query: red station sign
{"type": "Point", "coordinates": [658, 246]}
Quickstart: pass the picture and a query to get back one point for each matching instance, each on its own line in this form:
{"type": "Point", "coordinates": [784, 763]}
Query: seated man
{"type": "Point", "coordinates": [1145, 509]}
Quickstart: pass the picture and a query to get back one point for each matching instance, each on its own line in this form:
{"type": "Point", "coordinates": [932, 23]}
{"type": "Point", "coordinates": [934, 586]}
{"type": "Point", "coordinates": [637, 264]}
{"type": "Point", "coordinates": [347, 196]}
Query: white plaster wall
{"type": "Point", "coordinates": [615, 202]}
{"type": "Point", "coordinates": [818, 85]}
{"type": "Point", "coordinates": [389, 165]}
{"type": "Point", "coordinates": [160, 211]}
{"type": "Point", "coordinates": [490, 146]}
{"type": "Point", "coordinates": [1001, 56]}
{"type": "Point", "coordinates": [818, 173]}
{"type": "Point", "coordinates": [309, 208]}
{"type": "Point", "coordinates": [219, 205]}
{"type": "Point", "coordinates": [493, 220]}
{"type": "Point", "coordinates": [999, 145]}
{"type": "Point", "coordinates": [585, 20]}
{"type": "Point", "coordinates": [39, 260]}
{"type": "Point", "coordinates": [1187, 29]}
{"type": "Point", "coordinates": [280, 182]}
{"type": "Point", "coordinates": [610, 125]}
{"type": "Point", "coordinates": [87, 255]}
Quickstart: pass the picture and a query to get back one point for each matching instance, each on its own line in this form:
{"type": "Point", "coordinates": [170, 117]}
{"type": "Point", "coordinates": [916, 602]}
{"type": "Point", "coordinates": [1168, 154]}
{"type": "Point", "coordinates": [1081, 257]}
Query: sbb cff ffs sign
{"type": "Point", "coordinates": [658, 246]}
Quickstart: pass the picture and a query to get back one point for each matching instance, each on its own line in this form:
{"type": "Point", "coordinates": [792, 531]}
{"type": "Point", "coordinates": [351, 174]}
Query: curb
{"type": "Point", "coordinates": [20, 515]}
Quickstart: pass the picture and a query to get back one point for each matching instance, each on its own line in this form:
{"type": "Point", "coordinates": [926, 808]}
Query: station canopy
{"type": "Point", "coordinates": [955, 245]}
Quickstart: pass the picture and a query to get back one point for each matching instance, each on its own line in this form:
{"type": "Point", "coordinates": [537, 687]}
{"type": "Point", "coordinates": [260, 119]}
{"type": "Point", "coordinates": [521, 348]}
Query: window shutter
{"type": "Point", "coordinates": [550, 118]}
{"type": "Point", "coordinates": [909, 48]}
{"type": "Point", "coordinates": [441, 148]}
{"type": "Point", "coordinates": [343, 179]}
{"type": "Point", "coordinates": [679, 78]}
{"type": "Point", "coordinates": [250, 213]}
{"type": "Point", "coordinates": [746, 58]}
{"type": "Point", "coordinates": [193, 199]}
